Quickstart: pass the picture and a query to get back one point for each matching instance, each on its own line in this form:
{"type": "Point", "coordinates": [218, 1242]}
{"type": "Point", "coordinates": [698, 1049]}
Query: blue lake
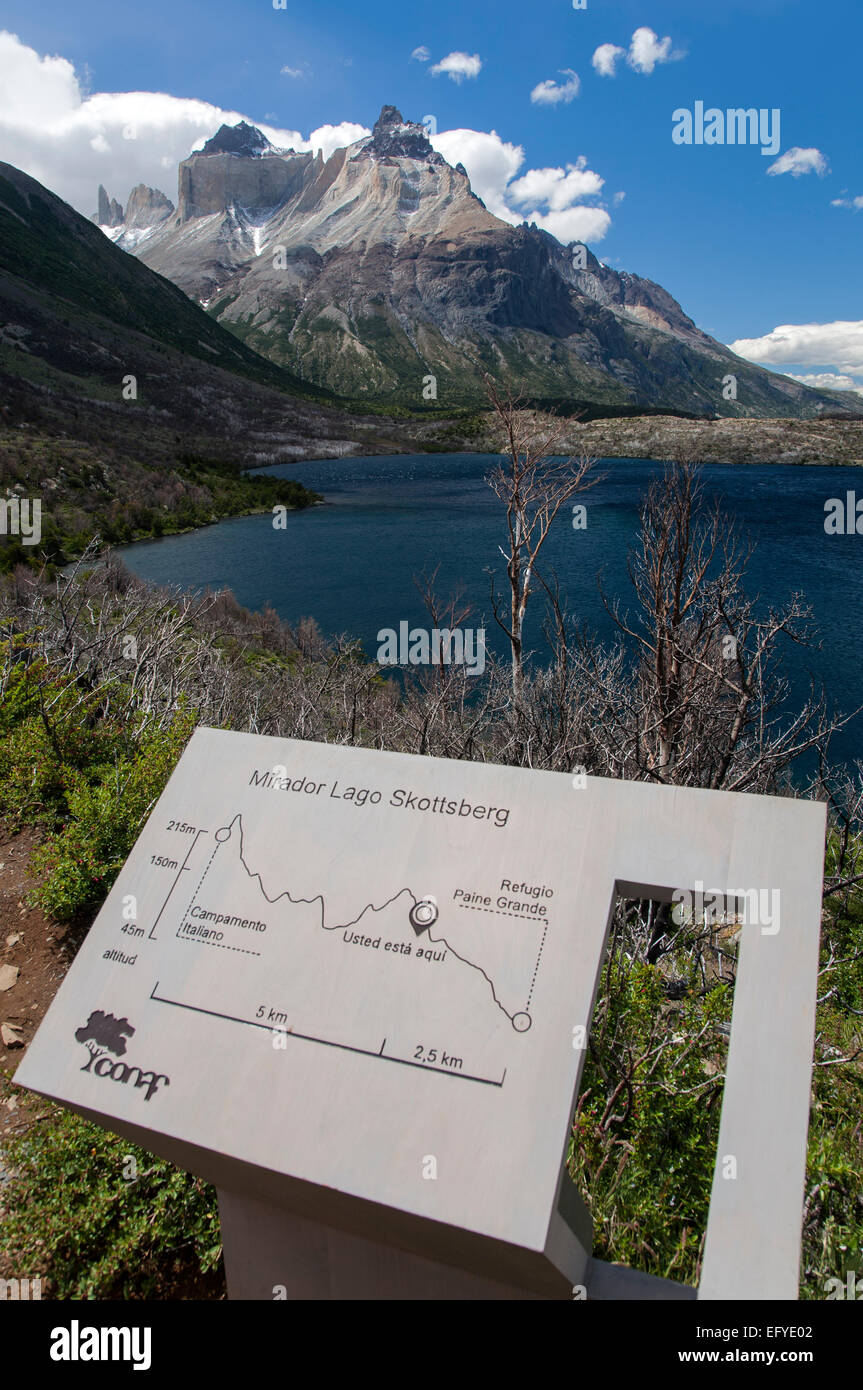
{"type": "Point", "coordinates": [352, 564]}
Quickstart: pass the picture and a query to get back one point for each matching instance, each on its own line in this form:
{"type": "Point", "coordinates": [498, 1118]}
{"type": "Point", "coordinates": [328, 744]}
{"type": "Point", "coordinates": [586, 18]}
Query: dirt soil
{"type": "Point", "coordinates": [42, 953]}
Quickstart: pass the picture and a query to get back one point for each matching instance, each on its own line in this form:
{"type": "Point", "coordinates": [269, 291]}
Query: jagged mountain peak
{"type": "Point", "coordinates": [241, 139]}
{"type": "Point", "coordinates": [147, 207]}
{"type": "Point", "coordinates": [110, 212]}
{"type": "Point", "coordinates": [395, 138]}
{"type": "Point", "coordinates": [390, 116]}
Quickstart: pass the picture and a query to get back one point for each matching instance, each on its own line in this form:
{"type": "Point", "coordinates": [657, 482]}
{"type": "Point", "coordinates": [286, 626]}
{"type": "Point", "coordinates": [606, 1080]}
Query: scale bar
{"type": "Point", "coordinates": [328, 1042]}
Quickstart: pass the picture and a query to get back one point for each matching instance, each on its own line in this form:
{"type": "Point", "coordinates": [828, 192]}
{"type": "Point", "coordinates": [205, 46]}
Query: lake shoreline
{"type": "Point", "coordinates": [781, 441]}
{"type": "Point", "coordinates": [356, 564]}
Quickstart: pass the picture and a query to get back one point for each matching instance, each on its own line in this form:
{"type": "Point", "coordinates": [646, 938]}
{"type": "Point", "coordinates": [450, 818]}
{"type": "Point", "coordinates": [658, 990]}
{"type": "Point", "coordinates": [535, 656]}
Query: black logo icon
{"type": "Point", "coordinates": [104, 1033]}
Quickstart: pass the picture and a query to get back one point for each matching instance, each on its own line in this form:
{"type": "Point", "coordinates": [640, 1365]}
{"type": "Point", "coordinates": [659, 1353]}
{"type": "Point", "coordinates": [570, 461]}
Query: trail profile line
{"type": "Point", "coordinates": [224, 834]}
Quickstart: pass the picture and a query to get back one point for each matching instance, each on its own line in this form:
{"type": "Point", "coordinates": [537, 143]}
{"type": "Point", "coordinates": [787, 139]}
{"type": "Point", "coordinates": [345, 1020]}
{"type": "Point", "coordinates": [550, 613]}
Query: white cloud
{"type": "Point", "coordinates": [855, 203]}
{"type": "Point", "coordinates": [291, 72]}
{"type": "Point", "coordinates": [838, 346]}
{"type": "Point", "coordinates": [646, 49]}
{"type": "Point", "coordinates": [490, 162]}
{"type": "Point", "coordinates": [828, 381]}
{"type": "Point", "coordinates": [550, 93]}
{"type": "Point", "coordinates": [458, 66]}
{"type": "Point", "coordinates": [329, 138]}
{"type": "Point", "coordinates": [421, 54]}
{"type": "Point", "coordinates": [558, 188]}
{"type": "Point", "coordinates": [796, 162]}
{"type": "Point", "coordinates": [605, 58]}
{"type": "Point", "coordinates": [587, 224]}
{"type": "Point", "coordinates": [72, 142]}
{"type": "Point", "coordinates": [552, 198]}
{"type": "Point", "coordinates": [34, 88]}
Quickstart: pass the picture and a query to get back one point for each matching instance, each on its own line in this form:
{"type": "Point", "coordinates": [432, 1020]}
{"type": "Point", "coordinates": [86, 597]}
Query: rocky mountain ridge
{"type": "Point", "coordinates": [379, 269]}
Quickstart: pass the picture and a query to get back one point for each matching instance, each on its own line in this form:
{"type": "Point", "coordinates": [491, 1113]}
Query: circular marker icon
{"type": "Point", "coordinates": [223, 834]}
{"type": "Point", "coordinates": [521, 1022]}
{"type": "Point", "coordinates": [423, 914]}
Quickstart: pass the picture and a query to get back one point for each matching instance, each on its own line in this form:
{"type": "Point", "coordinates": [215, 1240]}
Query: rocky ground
{"type": "Point", "coordinates": [722, 441]}
{"type": "Point", "coordinates": [666, 437]}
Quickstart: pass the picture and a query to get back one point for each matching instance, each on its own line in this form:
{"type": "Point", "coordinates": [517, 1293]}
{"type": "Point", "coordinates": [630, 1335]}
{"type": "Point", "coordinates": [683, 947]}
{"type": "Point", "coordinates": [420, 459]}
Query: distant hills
{"type": "Point", "coordinates": [371, 271]}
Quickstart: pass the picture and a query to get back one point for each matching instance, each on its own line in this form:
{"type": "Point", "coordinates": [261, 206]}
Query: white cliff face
{"type": "Point", "coordinates": [214, 182]}
{"type": "Point", "coordinates": [383, 202]}
{"type": "Point", "coordinates": [234, 210]}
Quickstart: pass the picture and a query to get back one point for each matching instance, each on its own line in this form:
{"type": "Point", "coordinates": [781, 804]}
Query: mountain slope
{"type": "Point", "coordinates": [47, 245]}
{"type": "Point", "coordinates": [369, 271]}
{"type": "Point", "coordinates": [78, 317]}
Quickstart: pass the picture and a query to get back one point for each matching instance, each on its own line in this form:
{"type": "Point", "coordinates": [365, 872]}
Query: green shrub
{"type": "Point", "coordinates": [20, 696]}
{"type": "Point", "coordinates": [73, 1212]}
{"type": "Point", "coordinates": [644, 1137]}
{"type": "Point", "coordinates": [78, 864]}
{"type": "Point", "coordinates": [53, 741]}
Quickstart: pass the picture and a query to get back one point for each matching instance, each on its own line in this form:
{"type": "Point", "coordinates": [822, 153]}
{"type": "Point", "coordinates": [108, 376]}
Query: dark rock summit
{"type": "Point", "coordinates": [242, 139]}
{"type": "Point", "coordinates": [395, 138]}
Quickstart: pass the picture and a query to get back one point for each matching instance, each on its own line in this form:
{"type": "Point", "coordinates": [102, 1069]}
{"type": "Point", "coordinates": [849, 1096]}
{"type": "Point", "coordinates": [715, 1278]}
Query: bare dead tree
{"type": "Point", "coordinates": [533, 482]}
{"type": "Point", "coordinates": [703, 700]}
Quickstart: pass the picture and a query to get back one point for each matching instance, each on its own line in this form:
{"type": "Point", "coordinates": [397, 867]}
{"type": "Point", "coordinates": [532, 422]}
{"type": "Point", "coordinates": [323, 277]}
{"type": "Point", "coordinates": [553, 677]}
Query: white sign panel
{"type": "Point", "coordinates": [372, 973]}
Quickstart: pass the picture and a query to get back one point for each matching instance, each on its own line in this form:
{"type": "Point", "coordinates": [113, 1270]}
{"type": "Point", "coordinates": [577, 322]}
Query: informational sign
{"type": "Point", "coordinates": [356, 980]}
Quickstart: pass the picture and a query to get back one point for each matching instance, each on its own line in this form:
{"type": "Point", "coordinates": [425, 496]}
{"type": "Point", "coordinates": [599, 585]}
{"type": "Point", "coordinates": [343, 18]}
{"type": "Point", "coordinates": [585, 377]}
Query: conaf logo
{"type": "Point", "coordinates": [103, 1033]}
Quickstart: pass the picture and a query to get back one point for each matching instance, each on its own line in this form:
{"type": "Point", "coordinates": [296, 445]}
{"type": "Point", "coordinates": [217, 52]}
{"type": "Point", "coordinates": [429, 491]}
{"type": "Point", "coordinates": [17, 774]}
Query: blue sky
{"type": "Point", "coordinates": [745, 251]}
